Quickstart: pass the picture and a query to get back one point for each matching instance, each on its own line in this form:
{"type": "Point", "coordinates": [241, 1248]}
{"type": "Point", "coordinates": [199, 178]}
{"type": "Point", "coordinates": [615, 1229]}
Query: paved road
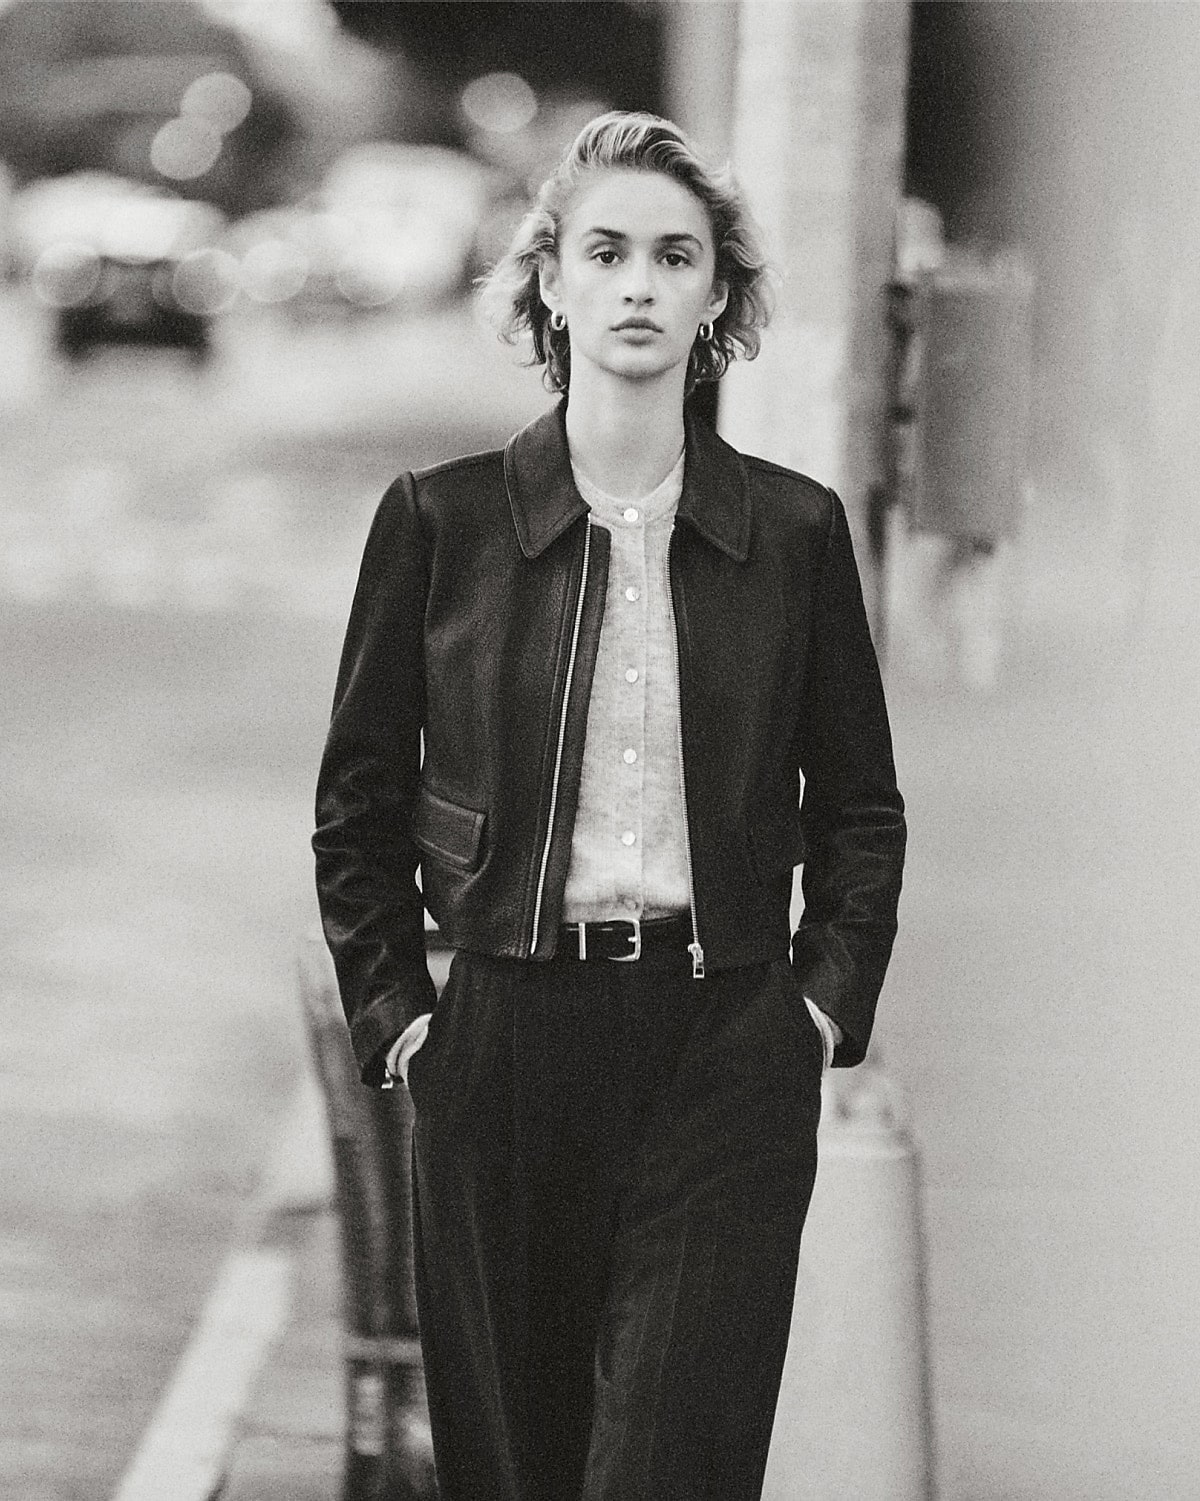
{"type": "Point", "coordinates": [176, 558]}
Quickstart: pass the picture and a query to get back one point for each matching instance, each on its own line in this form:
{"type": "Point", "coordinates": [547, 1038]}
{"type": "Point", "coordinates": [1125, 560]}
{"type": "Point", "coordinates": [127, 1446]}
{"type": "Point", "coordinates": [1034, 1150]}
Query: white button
{"type": "Point", "coordinates": [633, 594]}
{"type": "Point", "coordinates": [630, 513]}
{"type": "Point", "coordinates": [628, 837]}
{"type": "Point", "coordinates": [629, 756]}
{"type": "Point", "coordinates": [630, 903]}
{"type": "Point", "coordinates": [631, 674]}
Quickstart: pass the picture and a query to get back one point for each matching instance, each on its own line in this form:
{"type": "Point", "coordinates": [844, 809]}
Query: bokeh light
{"type": "Point", "coordinates": [221, 99]}
{"type": "Point", "coordinates": [273, 271]}
{"type": "Point", "coordinates": [325, 236]}
{"type": "Point", "coordinates": [66, 274]}
{"type": "Point", "coordinates": [501, 103]}
{"type": "Point", "coordinates": [185, 147]}
{"type": "Point", "coordinates": [370, 284]}
{"type": "Point", "coordinates": [206, 282]}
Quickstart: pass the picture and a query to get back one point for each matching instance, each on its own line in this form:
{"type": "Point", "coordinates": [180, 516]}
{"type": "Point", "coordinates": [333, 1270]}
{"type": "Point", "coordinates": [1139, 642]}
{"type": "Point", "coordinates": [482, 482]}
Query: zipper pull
{"type": "Point", "coordinates": [697, 954]}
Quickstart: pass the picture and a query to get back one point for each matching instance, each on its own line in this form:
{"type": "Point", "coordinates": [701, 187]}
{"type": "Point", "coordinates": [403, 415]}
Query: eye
{"type": "Point", "coordinates": [606, 255]}
{"type": "Point", "coordinates": [677, 258]}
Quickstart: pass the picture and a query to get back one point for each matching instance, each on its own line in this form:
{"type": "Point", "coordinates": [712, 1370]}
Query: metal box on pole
{"type": "Point", "coordinates": [972, 321]}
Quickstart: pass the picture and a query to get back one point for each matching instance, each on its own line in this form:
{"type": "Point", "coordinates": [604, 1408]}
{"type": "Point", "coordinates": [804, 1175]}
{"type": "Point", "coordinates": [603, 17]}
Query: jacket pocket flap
{"type": "Point", "coordinates": [447, 831]}
{"type": "Point", "coordinates": [777, 843]}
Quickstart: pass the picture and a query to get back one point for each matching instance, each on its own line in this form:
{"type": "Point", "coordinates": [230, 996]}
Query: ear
{"type": "Point", "coordinates": [549, 283]}
{"type": "Point", "coordinates": [717, 302]}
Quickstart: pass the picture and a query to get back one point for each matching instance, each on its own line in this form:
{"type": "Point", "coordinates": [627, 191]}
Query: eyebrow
{"type": "Point", "coordinates": [677, 238]}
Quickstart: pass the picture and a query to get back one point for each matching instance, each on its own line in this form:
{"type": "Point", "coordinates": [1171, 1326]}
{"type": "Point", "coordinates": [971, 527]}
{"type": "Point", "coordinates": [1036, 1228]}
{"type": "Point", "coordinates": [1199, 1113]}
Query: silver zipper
{"type": "Point", "coordinates": [562, 735]}
{"type": "Point", "coordinates": [694, 948]}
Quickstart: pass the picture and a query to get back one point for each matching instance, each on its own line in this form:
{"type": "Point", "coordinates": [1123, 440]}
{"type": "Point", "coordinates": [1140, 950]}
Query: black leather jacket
{"type": "Point", "coordinates": [458, 724]}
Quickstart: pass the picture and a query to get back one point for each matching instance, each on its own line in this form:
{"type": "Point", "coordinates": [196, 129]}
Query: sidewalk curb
{"type": "Point", "coordinates": [185, 1450]}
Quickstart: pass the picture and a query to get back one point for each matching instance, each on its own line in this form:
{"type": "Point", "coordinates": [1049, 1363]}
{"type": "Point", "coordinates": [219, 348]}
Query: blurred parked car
{"type": "Point", "coordinates": [122, 263]}
{"type": "Point", "coordinates": [392, 226]}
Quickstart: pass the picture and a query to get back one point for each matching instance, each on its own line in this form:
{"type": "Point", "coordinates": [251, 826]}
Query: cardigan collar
{"type": "Point", "coordinates": [545, 502]}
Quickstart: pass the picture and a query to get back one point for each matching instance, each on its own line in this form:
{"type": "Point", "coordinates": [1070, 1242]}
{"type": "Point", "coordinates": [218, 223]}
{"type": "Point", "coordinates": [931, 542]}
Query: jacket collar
{"type": "Point", "coordinates": [545, 502]}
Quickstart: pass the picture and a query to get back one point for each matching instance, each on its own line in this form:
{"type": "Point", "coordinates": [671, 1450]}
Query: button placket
{"type": "Point", "coordinates": [632, 647]}
{"type": "Point", "coordinates": [616, 798]}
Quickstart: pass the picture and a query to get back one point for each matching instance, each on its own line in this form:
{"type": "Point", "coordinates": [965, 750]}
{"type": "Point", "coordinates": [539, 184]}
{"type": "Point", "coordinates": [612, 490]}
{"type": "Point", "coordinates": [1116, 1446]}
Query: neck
{"type": "Point", "coordinates": [625, 436]}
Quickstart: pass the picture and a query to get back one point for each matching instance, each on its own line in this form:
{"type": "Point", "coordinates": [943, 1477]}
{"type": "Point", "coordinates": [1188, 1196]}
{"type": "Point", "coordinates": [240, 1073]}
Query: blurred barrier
{"type": "Point", "coordinates": [853, 1419]}
{"type": "Point", "coordinates": [389, 1453]}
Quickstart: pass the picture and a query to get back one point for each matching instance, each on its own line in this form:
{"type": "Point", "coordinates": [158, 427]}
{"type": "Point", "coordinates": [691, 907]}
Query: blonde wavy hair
{"type": "Point", "coordinates": [643, 143]}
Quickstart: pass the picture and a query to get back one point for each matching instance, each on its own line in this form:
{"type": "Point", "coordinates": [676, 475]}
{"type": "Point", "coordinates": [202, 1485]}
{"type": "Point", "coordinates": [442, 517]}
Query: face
{"type": "Point", "coordinates": [634, 274]}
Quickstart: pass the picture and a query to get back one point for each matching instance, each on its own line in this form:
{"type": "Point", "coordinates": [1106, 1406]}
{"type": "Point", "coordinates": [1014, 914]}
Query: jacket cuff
{"type": "Point", "coordinates": [854, 1022]}
{"type": "Point", "coordinates": [375, 1028]}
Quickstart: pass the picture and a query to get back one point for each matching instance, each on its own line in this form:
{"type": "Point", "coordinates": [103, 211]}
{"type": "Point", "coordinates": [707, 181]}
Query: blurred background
{"type": "Point", "coordinates": [237, 245]}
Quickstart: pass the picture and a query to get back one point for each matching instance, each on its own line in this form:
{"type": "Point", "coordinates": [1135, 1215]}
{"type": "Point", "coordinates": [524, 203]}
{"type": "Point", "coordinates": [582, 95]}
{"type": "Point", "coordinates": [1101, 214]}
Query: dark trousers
{"type": "Point", "coordinates": [612, 1165]}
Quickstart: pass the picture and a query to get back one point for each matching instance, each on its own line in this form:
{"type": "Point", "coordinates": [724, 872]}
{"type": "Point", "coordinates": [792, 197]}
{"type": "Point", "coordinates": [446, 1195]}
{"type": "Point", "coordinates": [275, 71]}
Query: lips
{"type": "Point", "coordinates": [637, 323]}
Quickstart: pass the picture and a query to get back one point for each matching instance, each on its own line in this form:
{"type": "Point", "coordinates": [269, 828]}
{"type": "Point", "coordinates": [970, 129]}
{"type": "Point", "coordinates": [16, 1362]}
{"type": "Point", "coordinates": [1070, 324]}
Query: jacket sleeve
{"type": "Point", "coordinates": [852, 812]}
{"type": "Point", "coordinates": [366, 861]}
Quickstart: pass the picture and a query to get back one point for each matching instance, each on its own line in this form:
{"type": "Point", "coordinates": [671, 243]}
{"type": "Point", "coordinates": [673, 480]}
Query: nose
{"type": "Point", "coordinates": [639, 281]}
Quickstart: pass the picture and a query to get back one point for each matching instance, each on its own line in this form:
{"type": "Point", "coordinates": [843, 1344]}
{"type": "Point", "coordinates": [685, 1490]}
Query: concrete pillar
{"type": "Point", "coordinates": [818, 141]}
{"type": "Point", "coordinates": [700, 49]}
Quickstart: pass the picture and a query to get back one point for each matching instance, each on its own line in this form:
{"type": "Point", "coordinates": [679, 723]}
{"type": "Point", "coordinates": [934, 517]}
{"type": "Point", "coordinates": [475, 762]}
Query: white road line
{"type": "Point", "coordinates": [187, 1442]}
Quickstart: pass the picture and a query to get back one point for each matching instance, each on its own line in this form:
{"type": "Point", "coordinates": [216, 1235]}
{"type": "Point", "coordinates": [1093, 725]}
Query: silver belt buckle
{"type": "Point", "coordinates": [637, 943]}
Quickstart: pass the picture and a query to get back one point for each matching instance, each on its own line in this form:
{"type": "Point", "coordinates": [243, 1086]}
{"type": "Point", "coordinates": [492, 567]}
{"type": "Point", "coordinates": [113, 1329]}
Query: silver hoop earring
{"type": "Point", "coordinates": [705, 332]}
{"type": "Point", "coordinates": [558, 321]}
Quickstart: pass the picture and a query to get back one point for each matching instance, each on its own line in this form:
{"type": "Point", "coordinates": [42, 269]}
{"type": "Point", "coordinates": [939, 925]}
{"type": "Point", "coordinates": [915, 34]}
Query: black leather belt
{"type": "Point", "coordinates": [624, 939]}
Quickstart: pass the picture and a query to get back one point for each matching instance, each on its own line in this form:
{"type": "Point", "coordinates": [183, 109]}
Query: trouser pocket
{"type": "Point", "coordinates": [455, 1076]}
{"type": "Point", "coordinates": [808, 1033]}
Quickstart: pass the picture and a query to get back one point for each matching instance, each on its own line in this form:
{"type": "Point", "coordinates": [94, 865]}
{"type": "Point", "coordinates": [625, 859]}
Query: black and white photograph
{"type": "Point", "coordinates": [600, 609]}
